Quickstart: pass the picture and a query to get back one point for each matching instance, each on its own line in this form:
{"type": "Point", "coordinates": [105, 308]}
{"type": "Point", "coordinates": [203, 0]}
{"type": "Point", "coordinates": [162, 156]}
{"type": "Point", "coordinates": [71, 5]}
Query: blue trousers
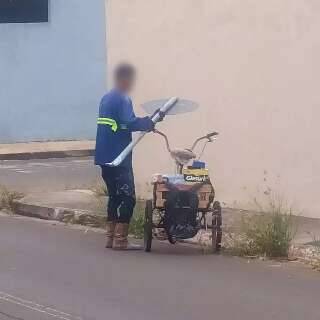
{"type": "Point", "coordinates": [121, 192]}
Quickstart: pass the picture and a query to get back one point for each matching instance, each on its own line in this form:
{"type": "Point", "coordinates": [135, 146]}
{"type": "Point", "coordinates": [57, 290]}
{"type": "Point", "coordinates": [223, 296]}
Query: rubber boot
{"type": "Point", "coordinates": [110, 227]}
{"type": "Point", "coordinates": [120, 239]}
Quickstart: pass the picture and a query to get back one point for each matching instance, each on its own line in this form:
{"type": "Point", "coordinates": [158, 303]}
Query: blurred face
{"type": "Point", "coordinates": [126, 84]}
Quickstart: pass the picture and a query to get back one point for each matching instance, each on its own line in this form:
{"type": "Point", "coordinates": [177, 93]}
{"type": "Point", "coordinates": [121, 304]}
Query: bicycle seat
{"type": "Point", "coordinates": [183, 156]}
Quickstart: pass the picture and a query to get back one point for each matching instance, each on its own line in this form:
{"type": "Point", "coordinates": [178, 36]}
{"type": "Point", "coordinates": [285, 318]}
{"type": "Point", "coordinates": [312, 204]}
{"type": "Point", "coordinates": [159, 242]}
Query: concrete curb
{"type": "Point", "coordinates": [47, 154]}
{"type": "Point", "coordinates": [66, 215]}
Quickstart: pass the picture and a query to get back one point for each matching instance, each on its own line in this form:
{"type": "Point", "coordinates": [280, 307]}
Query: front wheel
{"type": "Point", "coordinates": [216, 227]}
{"type": "Point", "coordinates": [148, 224]}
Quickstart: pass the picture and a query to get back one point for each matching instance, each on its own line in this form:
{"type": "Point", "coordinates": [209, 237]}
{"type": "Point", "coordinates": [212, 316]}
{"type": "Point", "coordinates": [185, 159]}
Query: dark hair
{"type": "Point", "coordinates": [124, 71]}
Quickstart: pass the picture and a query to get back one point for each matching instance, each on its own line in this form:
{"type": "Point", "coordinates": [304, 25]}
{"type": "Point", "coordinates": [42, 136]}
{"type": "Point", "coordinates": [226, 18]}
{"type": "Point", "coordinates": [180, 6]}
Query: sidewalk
{"type": "Point", "coordinates": [71, 206]}
{"type": "Point", "coordinates": [44, 150]}
{"type": "Point", "coordinates": [85, 204]}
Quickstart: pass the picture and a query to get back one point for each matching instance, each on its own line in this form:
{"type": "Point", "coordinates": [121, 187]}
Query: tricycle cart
{"type": "Point", "coordinates": [183, 203]}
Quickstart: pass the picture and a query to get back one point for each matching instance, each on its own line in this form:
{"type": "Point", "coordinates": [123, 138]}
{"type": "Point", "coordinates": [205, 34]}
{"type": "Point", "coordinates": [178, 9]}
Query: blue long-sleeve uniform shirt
{"type": "Point", "coordinates": [112, 138]}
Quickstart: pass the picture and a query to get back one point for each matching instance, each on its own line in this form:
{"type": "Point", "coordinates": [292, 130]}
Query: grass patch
{"type": "Point", "coordinates": [100, 189]}
{"type": "Point", "coordinates": [137, 222]}
{"type": "Point", "coordinates": [7, 199]}
{"type": "Point", "coordinates": [100, 192]}
{"type": "Point", "coordinates": [268, 233]}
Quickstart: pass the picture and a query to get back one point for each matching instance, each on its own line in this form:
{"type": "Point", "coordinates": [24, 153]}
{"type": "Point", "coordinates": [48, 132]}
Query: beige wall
{"type": "Point", "coordinates": [254, 68]}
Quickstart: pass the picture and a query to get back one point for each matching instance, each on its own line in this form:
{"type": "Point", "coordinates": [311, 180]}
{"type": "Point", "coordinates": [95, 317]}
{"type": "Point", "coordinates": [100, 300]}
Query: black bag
{"type": "Point", "coordinates": [180, 219]}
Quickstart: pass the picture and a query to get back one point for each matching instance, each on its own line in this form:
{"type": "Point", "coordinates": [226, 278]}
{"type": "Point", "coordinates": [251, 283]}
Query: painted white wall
{"type": "Point", "coordinates": [52, 75]}
{"type": "Point", "coordinates": [254, 68]}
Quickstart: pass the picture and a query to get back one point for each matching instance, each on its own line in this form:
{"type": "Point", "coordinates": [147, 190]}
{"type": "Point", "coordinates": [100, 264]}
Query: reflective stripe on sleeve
{"type": "Point", "coordinates": [110, 122]}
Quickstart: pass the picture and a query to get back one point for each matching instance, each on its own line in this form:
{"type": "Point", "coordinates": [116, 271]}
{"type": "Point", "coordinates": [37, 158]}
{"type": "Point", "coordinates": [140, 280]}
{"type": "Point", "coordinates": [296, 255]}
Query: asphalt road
{"type": "Point", "coordinates": [48, 174]}
{"type": "Point", "coordinates": [49, 271]}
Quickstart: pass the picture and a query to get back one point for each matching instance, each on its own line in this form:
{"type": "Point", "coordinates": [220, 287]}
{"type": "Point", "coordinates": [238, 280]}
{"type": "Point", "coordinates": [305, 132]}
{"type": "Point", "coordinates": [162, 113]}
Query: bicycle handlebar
{"type": "Point", "coordinates": [208, 136]}
{"type": "Point", "coordinates": [212, 134]}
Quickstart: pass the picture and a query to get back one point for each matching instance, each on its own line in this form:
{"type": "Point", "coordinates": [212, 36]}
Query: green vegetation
{"type": "Point", "coordinates": [137, 221]}
{"type": "Point", "coordinates": [100, 189]}
{"type": "Point", "coordinates": [7, 199]}
{"type": "Point", "coordinates": [268, 233]}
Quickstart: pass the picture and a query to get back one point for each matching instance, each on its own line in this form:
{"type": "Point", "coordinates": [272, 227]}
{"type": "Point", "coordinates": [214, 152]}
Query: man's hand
{"type": "Point", "coordinates": [150, 125]}
{"type": "Point", "coordinates": [160, 118]}
{"type": "Point", "coordinates": [161, 115]}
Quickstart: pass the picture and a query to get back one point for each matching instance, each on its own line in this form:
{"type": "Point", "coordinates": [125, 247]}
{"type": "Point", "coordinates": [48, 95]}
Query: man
{"type": "Point", "coordinates": [116, 123]}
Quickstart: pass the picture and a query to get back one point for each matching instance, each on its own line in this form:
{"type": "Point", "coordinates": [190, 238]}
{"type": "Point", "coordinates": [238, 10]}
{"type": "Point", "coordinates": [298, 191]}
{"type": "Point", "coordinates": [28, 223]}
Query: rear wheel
{"type": "Point", "coordinates": [216, 227]}
{"type": "Point", "coordinates": [148, 224]}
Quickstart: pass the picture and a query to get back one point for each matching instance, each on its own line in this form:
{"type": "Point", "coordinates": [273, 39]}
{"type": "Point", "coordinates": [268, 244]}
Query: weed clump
{"type": "Point", "coordinates": [136, 227]}
{"type": "Point", "coordinates": [268, 233]}
{"type": "Point", "coordinates": [7, 199]}
{"type": "Point", "coordinates": [100, 189]}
